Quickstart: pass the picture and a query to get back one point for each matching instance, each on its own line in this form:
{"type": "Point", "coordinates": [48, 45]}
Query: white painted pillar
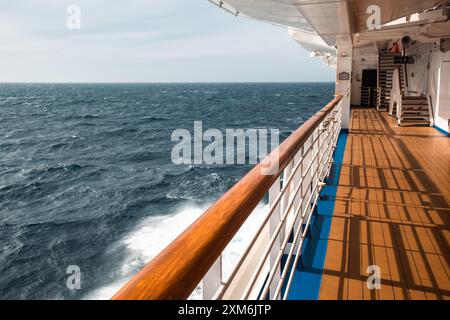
{"type": "Point", "coordinates": [344, 83]}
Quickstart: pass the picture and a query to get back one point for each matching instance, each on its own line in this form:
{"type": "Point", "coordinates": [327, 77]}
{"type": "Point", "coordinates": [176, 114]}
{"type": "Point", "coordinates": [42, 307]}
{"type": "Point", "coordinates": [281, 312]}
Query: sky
{"type": "Point", "coordinates": [146, 41]}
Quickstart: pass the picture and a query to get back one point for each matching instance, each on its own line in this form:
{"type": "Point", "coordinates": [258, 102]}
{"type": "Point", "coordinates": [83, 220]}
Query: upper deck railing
{"type": "Point", "coordinates": [303, 162]}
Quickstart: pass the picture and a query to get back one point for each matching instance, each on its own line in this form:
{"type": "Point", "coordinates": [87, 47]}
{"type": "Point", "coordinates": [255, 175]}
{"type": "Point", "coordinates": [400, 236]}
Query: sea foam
{"type": "Point", "coordinates": [153, 234]}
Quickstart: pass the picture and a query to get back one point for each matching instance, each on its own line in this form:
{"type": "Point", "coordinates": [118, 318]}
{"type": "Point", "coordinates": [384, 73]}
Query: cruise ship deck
{"type": "Point", "coordinates": [391, 209]}
{"type": "Point", "coordinates": [356, 200]}
{"type": "Point", "coordinates": [384, 205]}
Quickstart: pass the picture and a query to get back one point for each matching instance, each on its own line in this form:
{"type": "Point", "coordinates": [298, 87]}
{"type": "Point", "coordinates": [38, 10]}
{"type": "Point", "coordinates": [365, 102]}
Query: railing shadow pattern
{"type": "Point", "coordinates": [391, 210]}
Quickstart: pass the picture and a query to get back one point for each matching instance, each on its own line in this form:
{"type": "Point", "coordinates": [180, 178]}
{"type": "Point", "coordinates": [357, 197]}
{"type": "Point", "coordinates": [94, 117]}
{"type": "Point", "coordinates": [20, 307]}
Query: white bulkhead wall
{"type": "Point", "coordinates": [439, 86]}
{"type": "Point", "coordinates": [363, 58]}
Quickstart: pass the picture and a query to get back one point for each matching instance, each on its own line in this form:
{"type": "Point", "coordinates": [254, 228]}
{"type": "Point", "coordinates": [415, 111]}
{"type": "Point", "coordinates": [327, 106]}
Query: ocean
{"type": "Point", "coordinates": [87, 178]}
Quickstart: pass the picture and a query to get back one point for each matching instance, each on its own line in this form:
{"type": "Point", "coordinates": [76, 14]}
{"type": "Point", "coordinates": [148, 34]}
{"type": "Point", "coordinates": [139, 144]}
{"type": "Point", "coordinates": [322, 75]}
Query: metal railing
{"type": "Point", "coordinates": [265, 270]}
{"type": "Point", "coordinates": [294, 195]}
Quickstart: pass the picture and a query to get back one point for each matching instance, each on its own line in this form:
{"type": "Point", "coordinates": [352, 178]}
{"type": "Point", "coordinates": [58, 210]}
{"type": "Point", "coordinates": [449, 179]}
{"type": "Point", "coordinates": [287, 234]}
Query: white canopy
{"type": "Point", "coordinates": [318, 24]}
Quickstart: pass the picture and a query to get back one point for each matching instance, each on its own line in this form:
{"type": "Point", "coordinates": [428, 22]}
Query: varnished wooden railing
{"type": "Point", "coordinates": [177, 270]}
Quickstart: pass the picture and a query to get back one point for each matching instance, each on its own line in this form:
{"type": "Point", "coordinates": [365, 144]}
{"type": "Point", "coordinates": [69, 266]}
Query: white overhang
{"type": "Point", "coordinates": [321, 25]}
{"type": "Point", "coordinates": [327, 18]}
{"type": "Point", "coordinates": [330, 19]}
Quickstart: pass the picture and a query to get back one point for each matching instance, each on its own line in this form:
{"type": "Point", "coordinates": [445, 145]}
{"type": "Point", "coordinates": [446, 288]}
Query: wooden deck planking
{"type": "Point", "coordinates": [392, 210]}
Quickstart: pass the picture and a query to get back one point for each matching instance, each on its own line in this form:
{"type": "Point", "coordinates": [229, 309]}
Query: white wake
{"type": "Point", "coordinates": [153, 234]}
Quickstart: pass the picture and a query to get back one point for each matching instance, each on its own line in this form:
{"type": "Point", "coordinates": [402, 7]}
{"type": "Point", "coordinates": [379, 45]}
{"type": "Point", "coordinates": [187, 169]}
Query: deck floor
{"type": "Point", "coordinates": [392, 210]}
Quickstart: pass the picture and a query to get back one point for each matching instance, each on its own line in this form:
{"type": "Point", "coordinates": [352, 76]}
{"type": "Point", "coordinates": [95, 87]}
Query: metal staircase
{"type": "Point", "coordinates": [367, 96]}
{"type": "Point", "coordinates": [386, 67]}
{"type": "Point", "coordinates": [414, 111]}
{"type": "Point", "coordinates": [409, 109]}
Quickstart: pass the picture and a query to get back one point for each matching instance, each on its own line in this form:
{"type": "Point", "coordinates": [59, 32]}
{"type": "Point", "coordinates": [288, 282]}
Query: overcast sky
{"type": "Point", "coordinates": [146, 41]}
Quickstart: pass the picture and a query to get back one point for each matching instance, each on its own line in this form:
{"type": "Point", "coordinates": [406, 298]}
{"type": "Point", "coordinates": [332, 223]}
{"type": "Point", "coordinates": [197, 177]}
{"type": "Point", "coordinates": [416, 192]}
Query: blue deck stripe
{"type": "Point", "coordinates": [308, 274]}
{"type": "Point", "coordinates": [442, 131]}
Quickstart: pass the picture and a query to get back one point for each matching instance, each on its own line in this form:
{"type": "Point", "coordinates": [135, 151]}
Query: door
{"type": "Point", "coordinates": [369, 88]}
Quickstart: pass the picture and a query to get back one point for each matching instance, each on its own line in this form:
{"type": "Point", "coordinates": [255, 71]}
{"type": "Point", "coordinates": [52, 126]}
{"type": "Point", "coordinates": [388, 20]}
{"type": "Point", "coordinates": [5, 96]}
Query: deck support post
{"type": "Point", "coordinates": [344, 75]}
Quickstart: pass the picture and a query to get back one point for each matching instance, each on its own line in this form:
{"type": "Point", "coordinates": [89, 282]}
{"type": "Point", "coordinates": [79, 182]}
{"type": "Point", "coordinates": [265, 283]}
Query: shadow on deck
{"type": "Point", "coordinates": [391, 209]}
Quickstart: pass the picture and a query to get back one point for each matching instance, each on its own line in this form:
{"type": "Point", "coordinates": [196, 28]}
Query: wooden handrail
{"type": "Point", "coordinates": [178, 269]}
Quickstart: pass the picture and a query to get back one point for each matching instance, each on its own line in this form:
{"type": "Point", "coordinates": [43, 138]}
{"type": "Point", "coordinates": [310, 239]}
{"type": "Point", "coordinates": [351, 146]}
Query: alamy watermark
{"type": "Point", "coordinates": [73, 282]}
{"type": "Point", "coordinates": [374, 280]}
{"type": "Point", "coordinates": [374, 20]}
{"type": "Point", "coordinates": [73, 21]}
{"type": "Point", "coordinates": [235, 146]}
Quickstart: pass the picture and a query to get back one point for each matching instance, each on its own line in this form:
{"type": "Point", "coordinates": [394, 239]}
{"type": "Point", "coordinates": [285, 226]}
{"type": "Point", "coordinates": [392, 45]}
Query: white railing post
{"type": "Point", "coordinates": [302, 157]}
{"type": "Point", "coordinates": [286, 196]}
{"type": "Point", "coordinates": [430, 110]}
{"type": "Point", "coordinates": [275, 219]}
{"type": "Point", "coordinates": [391, 102]}
{"type": "Point", "coordinates": [315, 173]}
{"type": "Point", "coordinates": [212, 280]}
{"type": "Point", "coordinates": [395, 92]}
{"type": "Point", "coordinates": [305, 190]}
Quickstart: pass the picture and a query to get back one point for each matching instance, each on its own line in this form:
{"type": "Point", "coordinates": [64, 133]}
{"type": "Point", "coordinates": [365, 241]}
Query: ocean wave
{"type": "Point", "coordinates": [194, 186]}
{"type": "Point", "coordinates": [146, 241]}
{"type": "Point", "coordinates": [152, 118]}
{"type": "Point", "coordinates": [71, 156]}
{"type": "Point", "coordinates": [120, 132]}
{"type": "Point", "coordinates": [82, 117]}
{"type": "Point", "coordinates": [154, 233]}
{"type": "Point", "coordinates": [24, 182]}
{"type": "Point", "coordinates": [66, 168]}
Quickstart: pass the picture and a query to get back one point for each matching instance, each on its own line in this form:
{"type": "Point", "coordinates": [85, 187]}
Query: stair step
{"type": "Point", "coordinates": [415, 98]}
{"type": "Point", "coordinates": [414, 109]}
{"type": "Point", "coordinates": [418, 113]}
{"type": "Point", "coordinates": [412, 100]}
{"type": "Point", "coordinates": [416, 123]}
{"type": "Point", "coordinates": [415, 118]}
{"type": "Point", "coordinates": [412, 104]}
{"type": "Point", "coordinates": [387, 66]}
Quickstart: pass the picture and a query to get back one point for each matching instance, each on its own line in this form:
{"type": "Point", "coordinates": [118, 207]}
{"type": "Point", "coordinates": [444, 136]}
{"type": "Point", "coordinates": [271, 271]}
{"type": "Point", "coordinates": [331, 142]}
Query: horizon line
{"type": "Point", "coordinates": [162, 82]}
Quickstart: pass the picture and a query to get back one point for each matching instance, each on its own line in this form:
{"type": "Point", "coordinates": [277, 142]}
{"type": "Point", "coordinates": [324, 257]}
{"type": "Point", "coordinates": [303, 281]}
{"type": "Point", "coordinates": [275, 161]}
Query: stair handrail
{"type": "Point", "coordinates": [396, 94]}
{"type": "Point", "coordinates": [430, 110]}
